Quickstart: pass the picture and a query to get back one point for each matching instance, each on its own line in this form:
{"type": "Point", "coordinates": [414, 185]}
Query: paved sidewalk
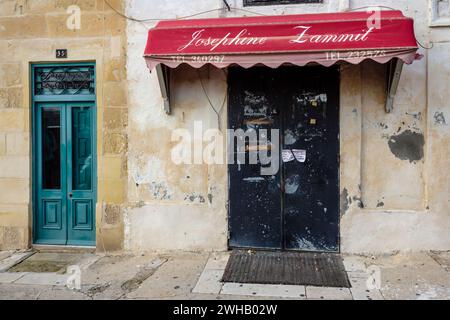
{"type": "Point", "coordinates": [196, 276]}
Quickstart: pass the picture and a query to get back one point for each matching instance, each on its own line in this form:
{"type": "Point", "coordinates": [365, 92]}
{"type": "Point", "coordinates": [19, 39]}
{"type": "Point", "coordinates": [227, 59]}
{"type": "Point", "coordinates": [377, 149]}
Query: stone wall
{"type": "Point", "coordinates": [393, 176]}
{"type": "Point", "coordinates": [30, 31]}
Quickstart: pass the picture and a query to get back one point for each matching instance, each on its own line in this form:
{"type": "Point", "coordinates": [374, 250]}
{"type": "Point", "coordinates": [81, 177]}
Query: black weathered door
{"type": "Point", "coordinates": [254, 199]}
{"type": "Point", "coordinates": [297, 208]}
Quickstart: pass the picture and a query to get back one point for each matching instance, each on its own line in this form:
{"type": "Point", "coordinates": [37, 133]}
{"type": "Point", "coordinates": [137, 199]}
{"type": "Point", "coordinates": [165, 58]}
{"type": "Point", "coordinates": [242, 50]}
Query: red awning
{"type": "Point", "coordinates": [275, 40]}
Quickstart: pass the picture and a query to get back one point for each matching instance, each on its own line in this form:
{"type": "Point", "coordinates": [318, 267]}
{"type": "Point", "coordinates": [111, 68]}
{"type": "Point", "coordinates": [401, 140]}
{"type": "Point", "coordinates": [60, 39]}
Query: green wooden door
{"type": "Point", "coordinates": [65, 166]}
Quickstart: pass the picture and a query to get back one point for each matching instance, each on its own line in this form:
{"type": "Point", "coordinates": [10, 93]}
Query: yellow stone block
{"type": "Point", "coordinates": [25, 26]}
{"type": "Point", "coordinates": [12, 120]}
{"type": "Point", "coordinates": [2, 144]}
{"type": "Point", "coordinates": [8, 8]}
{"type": "Point", "coordinates": [114, 167]}
{"type": "Point", "coordinates": [111, 215]}
{"type": "Point", "coordinates": [18, 144]}
{"type": "Point", "coordinates": [114, 24]}
{"type": "Point", "coordinates": [110, 239]}
{"type": "Point", "coordinates": [115, 69]}
{"type": "Point", "coordinates": [112, 191]}
{"type": "Point", "coordinates": [22, 7]}
{"type": "Point", "coordinates": [115, 119]}
{"type": "Point", "coordinates": [15, 215]}
{"type": "Point", "coordinates": [115, 94]}
{"type": "Point", "coordinates": [82, 4]}
{"type": "Point", "coordinates": [11, 97]}
{"type": "Point", "coordinates": [115, 143]}
{"type": "Point", "coordinates": [14, 238]}
{"type": "Point", "coordinates": [115, 47]}
{"type": "Point", "coordinates": [10, 74]}
{"type": "Point", "coordinates": [116, 4]}
{"type": "Point", "coordinates": [14, 191]}
{"type": "Point", "coordinates": [14, 167]}
{"type": "Point", "coordinates": [39, 7]}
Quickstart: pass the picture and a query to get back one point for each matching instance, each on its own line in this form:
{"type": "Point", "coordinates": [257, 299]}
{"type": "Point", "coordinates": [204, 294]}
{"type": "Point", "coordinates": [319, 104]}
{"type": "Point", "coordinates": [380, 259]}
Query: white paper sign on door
{"type": "Point", "coordinates": [299, 154]}
{"type": "Point", "coordinates": [287, 155]}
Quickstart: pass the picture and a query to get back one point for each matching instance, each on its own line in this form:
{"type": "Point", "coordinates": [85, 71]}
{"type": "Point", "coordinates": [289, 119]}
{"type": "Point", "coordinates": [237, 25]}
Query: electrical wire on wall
{"type": "Point", "coordinates": [229, 8]}
{"type": "Point", "coordinates": [216, 111]}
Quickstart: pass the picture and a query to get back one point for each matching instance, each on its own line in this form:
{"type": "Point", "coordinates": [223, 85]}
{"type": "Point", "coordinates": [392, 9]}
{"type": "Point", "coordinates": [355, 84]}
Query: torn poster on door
{"type": "Point", "coordinates": [299, 154]}
{"type": "Point", "coordinates": [289, 155]}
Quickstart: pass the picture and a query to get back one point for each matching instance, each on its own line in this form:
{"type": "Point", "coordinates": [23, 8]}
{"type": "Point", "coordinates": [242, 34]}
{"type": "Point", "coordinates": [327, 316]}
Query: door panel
{"type": "Point", "coordinates": [80, 177]}
{"type": "Point", "coordinates": [254, 199]}
{"type": "Point", "coordinates": [298, 207]}
{"type": "Point", "coordinates": [50, 166]}
{"type": "Point", "coordinates": [81, 148]}
{"type": "Point", "coordinates": [52, 214]}
{"type": "Point", "coordinates": [65, 161]}
{"type": "Point", "coordinates": [311, 123]}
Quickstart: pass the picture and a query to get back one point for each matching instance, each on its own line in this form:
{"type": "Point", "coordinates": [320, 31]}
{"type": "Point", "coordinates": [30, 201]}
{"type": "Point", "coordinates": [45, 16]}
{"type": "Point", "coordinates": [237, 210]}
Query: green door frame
{"type": "Point", "coordinates": [63, 99]}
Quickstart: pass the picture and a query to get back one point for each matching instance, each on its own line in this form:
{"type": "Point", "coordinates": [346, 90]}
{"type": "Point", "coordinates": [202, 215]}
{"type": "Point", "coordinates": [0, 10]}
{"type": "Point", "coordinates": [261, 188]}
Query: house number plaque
{"type": "Point", "coordinates": [61, 53]}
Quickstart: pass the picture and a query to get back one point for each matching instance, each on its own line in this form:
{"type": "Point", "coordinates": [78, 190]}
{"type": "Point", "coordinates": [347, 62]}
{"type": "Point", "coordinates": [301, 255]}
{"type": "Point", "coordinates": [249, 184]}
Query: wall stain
{"type": "Point", "coordinates": [359, 200]}
{"type": "Point", "coordinates": [194, 197]}
{"type": "Point", "coordinates": [345, 199]}
{"type": "Point", "coordinates": [380, 204]}
{"type": "Point", "coordinates": [439, 118]}
{"type": "Point", "coordinates": [415, 115]}
{"type": "Point", "coordinates": [159, 191]}
{"type": "Point", "coordinates": [407, 145]}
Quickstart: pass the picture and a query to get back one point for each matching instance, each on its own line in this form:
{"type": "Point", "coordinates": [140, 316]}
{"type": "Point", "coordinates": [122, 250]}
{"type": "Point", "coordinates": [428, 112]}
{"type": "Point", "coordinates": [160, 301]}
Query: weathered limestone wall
{"type": "Point", "coordinates": [30, 31]}
{"type": "Point", "coordinates": [394, 186]}
{"type": "Point", "coordinates": [176, 207]}
{"type": "Point", "coordinates": [403, 199]}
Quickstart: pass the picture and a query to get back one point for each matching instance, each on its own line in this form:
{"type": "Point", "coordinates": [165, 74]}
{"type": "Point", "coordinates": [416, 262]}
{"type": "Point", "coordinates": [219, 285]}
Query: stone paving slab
{"type": "Point", "coordinates": [442, 258]}
{"type": "Point", "coordinates": [10, 277]}
{"type": "Point", "coordinates": [413, 276]}
{"type": "Point", "coordinates": [218, 261]}
{"type": "Point", "coordinates": [14, 259]}
{"type": "Point", "coordinates": [327, 293]}
{"type": "Point", "coordinates": [209, 282]}
{"type": "Point", "coordinates": [21, 292]}
{"type": "Point", "coordinates": [360, 291]}
{"type": "Point", "coordinates": [42, 278]}
{"type": "Point", "coordinates": [264, 290]}
{"type": "Point", "coordinates": [60, 293]}
{"type": "Point", "coordinates": [354, 263]}
{"type": "Point", "coordinates": [5, 254]}
{"type": "Point", "coordinates": [176, 277]}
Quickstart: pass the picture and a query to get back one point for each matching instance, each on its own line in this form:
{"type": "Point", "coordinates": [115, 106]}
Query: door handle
{"type": "Point", "coordinates": [70, 195]}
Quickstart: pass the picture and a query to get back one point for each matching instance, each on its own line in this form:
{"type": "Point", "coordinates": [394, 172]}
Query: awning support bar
{"type": "Point", "coordinates": [163, 73]}
{"type": "Point", "coordinates": [395, 67]}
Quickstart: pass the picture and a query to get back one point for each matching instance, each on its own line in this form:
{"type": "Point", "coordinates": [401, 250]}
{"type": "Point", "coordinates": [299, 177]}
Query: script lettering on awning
{"type": "Point", "coordinates": [243, 38]}
{"type": "Point", "coordinates": [276, 40]}
{"type": "Point", "coordinates": [305, 37]}
{"type": "Point", "coordinates": [238, 40]}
